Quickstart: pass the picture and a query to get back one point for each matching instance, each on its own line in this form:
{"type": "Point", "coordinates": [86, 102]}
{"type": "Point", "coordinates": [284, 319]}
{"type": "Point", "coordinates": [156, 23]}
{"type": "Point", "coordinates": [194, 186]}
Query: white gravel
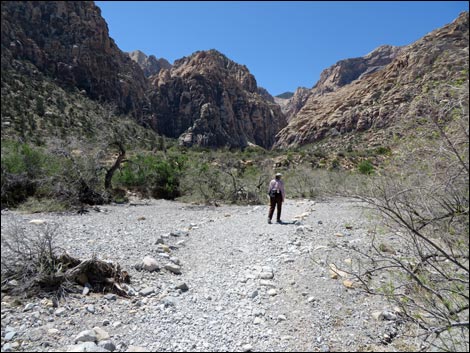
{"type": "Point", "coordinates": [244, 284]}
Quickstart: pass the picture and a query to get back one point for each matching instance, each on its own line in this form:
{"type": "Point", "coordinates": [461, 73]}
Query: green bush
{"type": "Point", "coordinates": [365, 167]}
{"type": "Point", "coordinates": [385, 151]}
{"type": "Point", "coordinates": [153, 175]}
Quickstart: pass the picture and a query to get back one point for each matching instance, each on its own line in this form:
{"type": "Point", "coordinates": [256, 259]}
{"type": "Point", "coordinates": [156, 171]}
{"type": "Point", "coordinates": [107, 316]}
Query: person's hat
{"type": "Point", "coordinates": [278, 174]}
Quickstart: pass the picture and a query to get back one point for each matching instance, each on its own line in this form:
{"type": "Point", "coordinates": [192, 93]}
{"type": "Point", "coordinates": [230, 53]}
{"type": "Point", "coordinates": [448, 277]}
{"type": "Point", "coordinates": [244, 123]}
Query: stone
{"type": "Point", "coordinates": [266, 275]}
{"type": "Point", "coordinates": [182, 286]}
{"type": "Point", "coordinates": [60, 312]}
{"type": "Point", "coordinates": [110, 297]}
{"type": "Point", "coordinates": [272, 292]}
{"type": "Point", "coordinates": [108, 345]}
{"type": "Point", "coordinates": [86, 347]}
{"type": "Point", "coordinates": [9, 335]}
{"type": "Point", "coordinates": [101, 335]}
{"type": "Point", "coordinates": [86, 336]}
{"type": "Point", "coordinates": [163, 248]}
{"type": "Point", "coordinates": [150, 264]}
{"type": "Point", "coordinates": [247, 347]}
{"type": "Point", "coordinates": [37, 221]}
{"type": "Point", "coordinates": [29, 307]}
{"type": "Point", "coordinates": [53, 331]}
{"type": "Point", "coordinates": [174, 268]}
{"type": "Point", "coordinates": [146, 291]}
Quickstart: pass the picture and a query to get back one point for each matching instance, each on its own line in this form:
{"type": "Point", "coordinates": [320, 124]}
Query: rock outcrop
{"type": "Point", "coordinates": [70, 41]}
{"type": "Point", "coordinates": [346, 71]}
{"type": "Point", "coordinates": [385, 97]}
{"type": "Point", "coordinates": [150, 65]}
{"type": "Point", "coordinates": [340, 74]}
{"type": "Point", "coordinates": [292, 105]}
{"type": "Point", "coordinates": [207, 99]}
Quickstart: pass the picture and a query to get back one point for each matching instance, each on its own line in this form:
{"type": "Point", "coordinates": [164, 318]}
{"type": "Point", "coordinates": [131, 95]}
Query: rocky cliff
{"type": "Point", "coordinates": [70, 42]}
{"type": "Point", "coordinates": [340, 74]}
{"type": "Point", "coordinates": [386, 97]}
{"type": "Point", "coordinates": [207, 99]}
{"type": "Point", "coordinates": [150, 65]}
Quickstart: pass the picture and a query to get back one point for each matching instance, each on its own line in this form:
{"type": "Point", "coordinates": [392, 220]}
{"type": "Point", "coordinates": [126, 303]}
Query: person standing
{"type": "Point", "coordinates": [276, 197]}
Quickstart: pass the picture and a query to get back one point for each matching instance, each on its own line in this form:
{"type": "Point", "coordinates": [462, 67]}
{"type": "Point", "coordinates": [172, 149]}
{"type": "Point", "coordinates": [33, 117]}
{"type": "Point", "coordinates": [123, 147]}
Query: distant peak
{"type": "Point", "coordinates": [285, 95]}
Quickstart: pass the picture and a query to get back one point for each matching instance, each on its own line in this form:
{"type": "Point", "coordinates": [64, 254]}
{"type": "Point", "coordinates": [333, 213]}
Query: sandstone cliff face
{"type": "Point", "coordinates": [346, 71]}
{"type": "Point", "coordinates": [295, 103]}
{"type": "Point", "coordinates": [70, 41]}
{"type": "Point", "coordinates": [150, 65]}
{"type": "Point", "coordinates": [208, 100]}
{"type": "Point", "coordinates": [340, 74]}
{"type": "Point", "coordinates": [385, 97]}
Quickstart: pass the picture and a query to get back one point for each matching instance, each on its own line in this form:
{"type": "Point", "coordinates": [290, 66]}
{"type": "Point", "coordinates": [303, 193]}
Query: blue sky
{"type": "Point", "coordinates": [284, 44]}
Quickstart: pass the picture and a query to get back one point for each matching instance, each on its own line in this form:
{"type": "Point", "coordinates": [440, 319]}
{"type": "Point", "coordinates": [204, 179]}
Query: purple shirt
{"type": "Point", "coordinates": [278, 185]}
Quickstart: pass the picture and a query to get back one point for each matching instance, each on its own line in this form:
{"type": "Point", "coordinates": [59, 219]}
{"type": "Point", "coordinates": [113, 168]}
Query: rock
{"type": "Point", "coordinates": [183, 287]}
{"type": "Point", "coordinates": [90, 308]}
{"type": "Point", "coordinates": [247, 347]}
{"type": "Point", "coordinates": [7, 347]}
{"type": "Point", "coordinates": [175, 260]}
{"type": "Point", "coordinates": [272, 292]}
{"type": "Point", "coordinates": [147, 291]}
{"type": "Point", "coordinates": [85, 291]}
{"type": "Point", "coordinates": [174, 268]}
{"type": "Point", "coordinates": [37, 221]}
{"type": "Point", "coordinates": [163, 248]}
{"type": "Point", "coordinates": [266, 283]}
{"type": "Point", "coordinates": [86, 336]}
{"type": "Point", "coordinates": [348, 283]}
{"type": "Point", "coordinates": [53, 331]}
{"type": "Point", "coordinates": [93, 64]}
{"type": "Point", "coordinates": [179, 233]}
{"type": "Point", "coordinates": [234, 113]}
{"type": "Point", "coordinates": [150, 64]}
{"type": "Point", "coordinates": [108, 345]}
{"type": "Point", "coordinates": [266, 275]}
{"type": "Point", "coordinates": [101, 335]}
{"type": "Point", "coordinates": [29, 307]}
{"type": "Point", "coordinates": [150, 264]}
{"type": "Point", "coordinates": [110, 297]}
{"type": "Point", "coordinates": [9, 335]}
{"type": "Point", "coordinates": [86, 347]}
{"type": "Point", "coordinates": [60, 312]}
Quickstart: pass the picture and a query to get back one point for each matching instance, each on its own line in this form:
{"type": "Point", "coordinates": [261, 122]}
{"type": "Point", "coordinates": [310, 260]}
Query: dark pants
{"type": "Point", "coordinates": [275, 201]}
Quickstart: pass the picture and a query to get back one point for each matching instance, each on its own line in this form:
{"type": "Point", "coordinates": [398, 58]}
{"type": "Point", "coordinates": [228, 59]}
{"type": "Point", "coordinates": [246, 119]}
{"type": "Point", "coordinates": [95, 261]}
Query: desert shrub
{"type": "Point", "coordinates": [424, 201]}
{"type": "Point", "coordinates": [26, 171]}
{"type": "Point", "coordinates": [153, 175]}
{"type": "Point", "coordinates": [365, 167]}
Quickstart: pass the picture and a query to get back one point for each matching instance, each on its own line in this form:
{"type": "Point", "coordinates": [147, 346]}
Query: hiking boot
{"type": "Point", "coordinates": [269, 221]}
{"type": "Point", "coordinates": [279, 221]}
